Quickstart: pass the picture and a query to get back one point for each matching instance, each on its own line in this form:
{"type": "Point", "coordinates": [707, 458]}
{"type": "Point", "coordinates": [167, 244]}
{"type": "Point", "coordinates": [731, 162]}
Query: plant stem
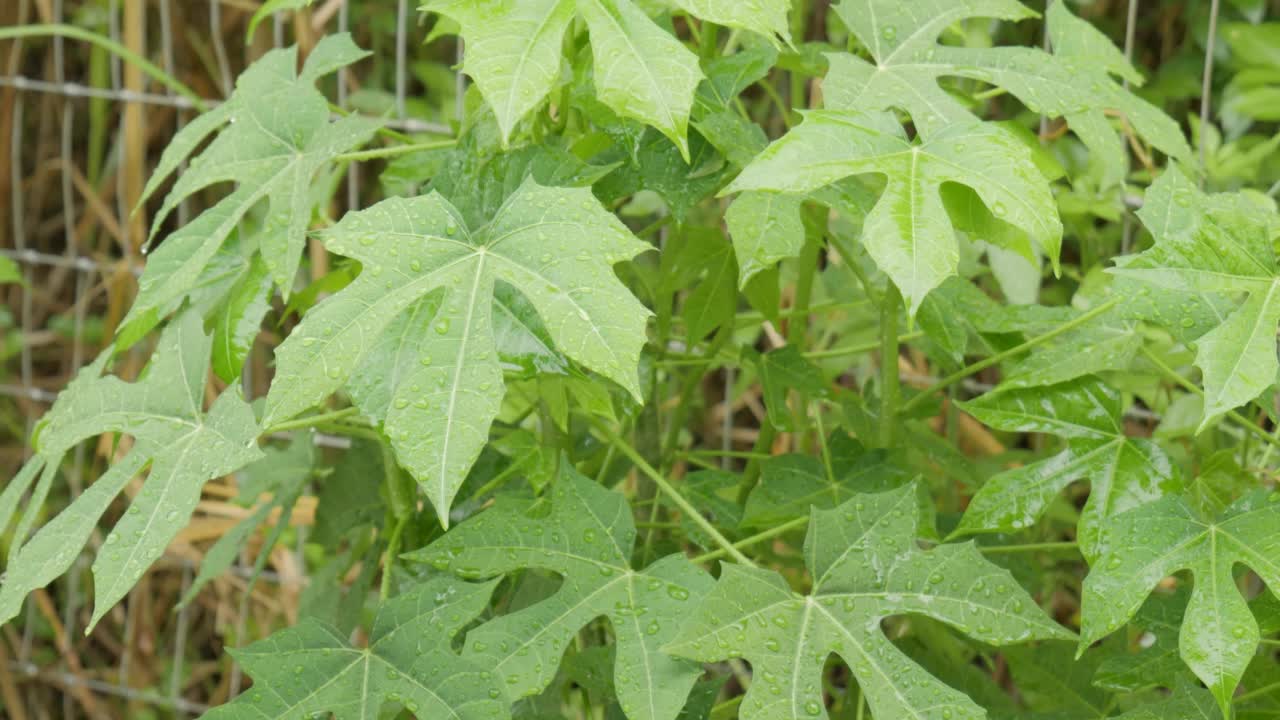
{"type": "Point", "coordinates": [1186, 384]}
{"type": "Point", "coordinates": [890, 384]}
{"type": "Point", "coordinates": [861, 348]}
{"type": "Point", "coordinates": [1264, 690]}
{"type": "Point", "coordinates": [393, 151]}
{"type": "Point", "coordinates": [727, 708]}
{"type": "Point", "coordinates": [666, 487]}
{"type": "Point", "coordinates": [124, 53]}
{"type": "Point", "coordinates": [772, 532]}
{"type": "Point", "coordinates": [999, 357]}
{"type": "Point", "coordinates": [800, 522]}
{"type": "Point", "coordinates": [1029, 547]}
{"type": "Point", "coordinates": [393, 549]}
{"type": "Point", "coordinates": [311, 420]}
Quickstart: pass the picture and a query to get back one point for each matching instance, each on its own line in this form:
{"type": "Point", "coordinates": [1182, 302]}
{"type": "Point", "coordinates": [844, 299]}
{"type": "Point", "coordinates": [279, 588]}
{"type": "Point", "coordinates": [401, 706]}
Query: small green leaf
{"type": "Point", "coordinates": [866, 567]}
{"type": "Point", "coordinates": [310, 670]}
{"type": "Point", "coordinates": [1220, 245]}
{"type": "Point", "coordinates": [1147, 544]}
{"type": "Point", "coordinates": [183, 446]}
{"type": "Point", "coordinates": [1125, 472]}
{"type": "Point", "coordinates": [1074, 82]}
{"type": "Point", "coordinates": [588, 540]}
{"type": "Point", "coordinates": [909, 232]}
{"type": "Point", "coordinates": [237, 321]}
{"type": "Point", "coordinates": [10, 273]}
{"type": "Point", "coordinates": [514, 55]}
{"type": "Point", "coordinates": [271, 155]}
{"type": "Point", "coordinates": [766, 227]}
{"type": "Point", "coordinates": [783, 371]}
{"type": "Point", "coordinates": [1156, 661]}
{"type": "Point", "coordinates": [413, 337]}
{"type": "Point", "coordinates": [269, 8]}
{"type": "Point", "coordinates": [791, 485]}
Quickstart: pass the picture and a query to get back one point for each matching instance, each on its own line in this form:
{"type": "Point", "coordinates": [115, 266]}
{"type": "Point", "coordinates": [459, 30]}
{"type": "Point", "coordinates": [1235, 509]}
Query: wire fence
{"type": "Point", "coordinates": [87, 270]}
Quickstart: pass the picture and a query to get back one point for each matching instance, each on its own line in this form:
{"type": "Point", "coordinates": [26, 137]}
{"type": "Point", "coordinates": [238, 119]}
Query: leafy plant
{"type": "Point", "coordinates": [781, 372]}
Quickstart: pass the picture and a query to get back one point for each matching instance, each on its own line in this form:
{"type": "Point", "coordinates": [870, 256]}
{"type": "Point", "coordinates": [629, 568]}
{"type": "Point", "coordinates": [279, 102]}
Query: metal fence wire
{"type": "Point", "coordinates": [36, 75]}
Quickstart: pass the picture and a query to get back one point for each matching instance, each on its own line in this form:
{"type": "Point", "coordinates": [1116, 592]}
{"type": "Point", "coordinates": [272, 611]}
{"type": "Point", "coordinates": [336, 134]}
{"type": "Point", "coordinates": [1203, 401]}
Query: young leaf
{"type": "Point", "coordinates": [311, 670]}
{"type": "Point", "coordinates": [790, 485]}
{"type": "Point", "coordinates": [1220, 245]}
{"type": "Point", "coordinates": [1156, 662]}
{"type": "Point", "coordinates": [587, 539]}
{"type": "Point", "coordinates": [1056, 685]}
{"type": "Point", "coordinates": [417, 330]}
{"type": "Point", "coordinates": [1075, 82]}
{"type": "Point", "coordinates": [766, 227]}
{"type": "Point", "coordinates": [909, 232]}
{"type": "Point", "coordinates": [514, 56]}
{"type": "Point", "coordinates": [866, 567]}
{"type": "Point", "coordinates": [785, 370]}
{"type": "Point", "coordinates": [1149, 543]}
{"type": "Point", "coordinates": [182, 444]}
{"type": "Point", "coordinates": [274, 139]}
{"type": "Point", "coordinates": [1124, 472]}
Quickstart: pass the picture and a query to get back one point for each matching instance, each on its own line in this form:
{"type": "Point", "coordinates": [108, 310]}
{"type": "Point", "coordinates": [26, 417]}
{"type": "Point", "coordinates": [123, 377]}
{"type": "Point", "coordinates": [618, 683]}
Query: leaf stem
{"type": "Point", "coordinates": [1029, 547]}
{"type": "Point", "coordinates": [666, 487]}
{"type": "Point", "coordinates": [759, 537]}
{"type": "Point", "coordinates": [999, 357]}
{"type": "Point", "coordinates": [1186, 384]}
{"type": "Point", "coordinates": [861, 348]}
{"type": "Point", "coordinates": [388, 563]}
{"type": "Point", "coordinates": [393, 151]}
{"type": "Point", "coordinates": [890, 383]}
{"type": "Point", "coordinates": [311, 420]}
{"type": "Point", "coordinates": [1264, 690]}
{"type": "Point", "coordinates": [124, 53]}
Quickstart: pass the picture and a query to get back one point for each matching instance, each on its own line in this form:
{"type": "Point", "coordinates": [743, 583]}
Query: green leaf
{"type": "Point", "coordinates": [790, 485]}
{"type": "Point", "coordinates": [1155, 662]}
{"type": "Point", "coordinates": [714, 298]}
{"type": "Point", "coordinates": [238, 320]}
{"type": "Point", "coordinates": [311, 669]}
{"type": "Point", "coordinates": [766, 17]}
{"type": "Point", "coordinates": [1147, 544]}
{"type": "Point", "coordinates": [785, 370]}
{"type": "Point", "coordinates": [478, 180]}
{"type": "Point", "coordinates": [1108, 343]}
{"type": "Point", "coordinates": [416, 329]}
{"type": "Point", "coordinates": [587, 539]}
{"type": "Point", "coordinates": [346, 499]}
{"type": "Point", "coordinates": [655, 164]}
{"type": "Point", "coordinates": [909, 233]}
{"type": "Point", "coordinates": [274, 139]}
{"type": "Point", "coordinates": [1074, 82]}
{"type": "Point", "coordinates": [766, 227]}
{"type": "Point", "coordinates": [1124, 472]}
{"type": "Point", "coordinates": [866, 567]}
{"type": "Point", "coordinates": [10, 273]}
{"type": "Point", "coordinates": [1188, 702]}
{"type": "Point", "coordinates": [269, 8]}
{"type": "Point", "coordinates": [1051, 683]}
{"type": "Point", "coordinates": [1217, 245]}
{"type": "Point", "coordinates": [514, 56]}
{"type": "Point", "coordinates": [183, 446]}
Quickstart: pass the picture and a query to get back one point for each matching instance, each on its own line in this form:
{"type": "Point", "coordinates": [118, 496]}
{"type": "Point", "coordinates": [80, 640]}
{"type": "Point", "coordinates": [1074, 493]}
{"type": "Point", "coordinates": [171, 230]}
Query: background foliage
{"type": "Point", "coordinates": [690, 358]}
